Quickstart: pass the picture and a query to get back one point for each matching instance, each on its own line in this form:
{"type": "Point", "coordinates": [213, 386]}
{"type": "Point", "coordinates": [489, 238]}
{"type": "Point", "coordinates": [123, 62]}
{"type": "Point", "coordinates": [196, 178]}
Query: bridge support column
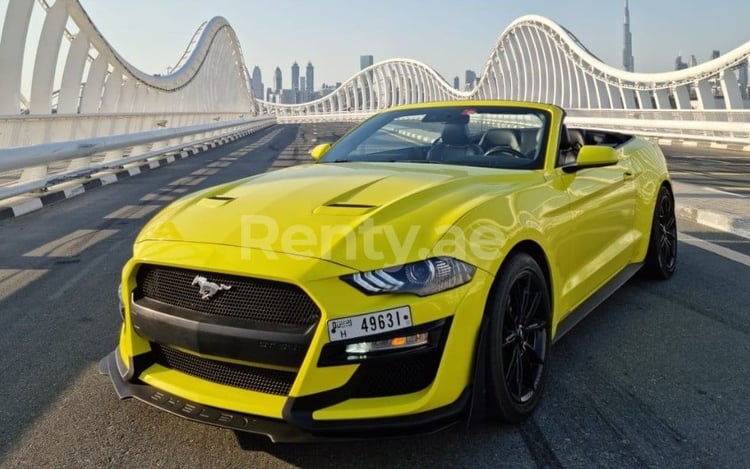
{"type": "Point", "coordinates": [682, 97]}
{"type": "Point", "coordinates": [603, 94]}
{"type": "Point", "coordinates": [615, 97]}
{"type": "Point", "coordinates": [45, 62]}
{"type": "Point", "coordinates": [70, 88]}
{"type": "Point", "coordinates": [644, 99]}
{"type": "Point", "coordinates": [662, 99]}
{"type": "Point", "coordinates": [730, 87]}
{"type": "Point", "coordinates": [92, 90]}
{"type": "Point", "coordinates": [706, 98]}
{"type": "Point", "coordinates": [112, 91]}
{"type": "Point", "coordinates": [628, 99]}
{"type": "Point", "coordinates": [12, 45]}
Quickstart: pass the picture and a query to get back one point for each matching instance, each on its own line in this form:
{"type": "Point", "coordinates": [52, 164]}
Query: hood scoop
{"type": "Point", "coordinates": [347, 205]}
{"type": "Point", "coordinates": [343, 208]}
{"type": "Point", "coordinates": [215, 201]}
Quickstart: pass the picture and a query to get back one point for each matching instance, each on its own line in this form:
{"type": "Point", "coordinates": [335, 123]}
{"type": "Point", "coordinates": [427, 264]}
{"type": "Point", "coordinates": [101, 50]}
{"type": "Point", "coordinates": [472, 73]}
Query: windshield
{"type": "Point", "coordinates": [499, 137]}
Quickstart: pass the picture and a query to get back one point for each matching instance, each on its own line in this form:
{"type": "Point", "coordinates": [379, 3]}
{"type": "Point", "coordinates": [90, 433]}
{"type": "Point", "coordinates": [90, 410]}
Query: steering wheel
{"type": "Point", "coordinates": [504, 149]}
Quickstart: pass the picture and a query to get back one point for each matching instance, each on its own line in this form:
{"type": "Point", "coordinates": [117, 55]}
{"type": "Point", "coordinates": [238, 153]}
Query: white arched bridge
{"type": "Point", "coordinates": [74, 105]}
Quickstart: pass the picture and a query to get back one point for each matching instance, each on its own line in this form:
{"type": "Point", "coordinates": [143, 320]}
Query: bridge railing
{"type": "Point", "coordinates": [720, 126]}
{"type": "Point", "coordinates": [349, 116]}
{"type": "Point", "coordinates": [43, 156]}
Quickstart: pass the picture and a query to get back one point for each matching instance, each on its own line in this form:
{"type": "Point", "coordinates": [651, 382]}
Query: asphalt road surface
{"type": "Point", "coordinates": [657, 376]}
{"type": "Point", "coordinates": [720, 169]}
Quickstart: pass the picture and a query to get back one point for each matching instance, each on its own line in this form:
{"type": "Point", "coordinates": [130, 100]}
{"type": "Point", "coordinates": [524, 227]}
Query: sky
{"type": "Point", "coordinates": [451, 37]}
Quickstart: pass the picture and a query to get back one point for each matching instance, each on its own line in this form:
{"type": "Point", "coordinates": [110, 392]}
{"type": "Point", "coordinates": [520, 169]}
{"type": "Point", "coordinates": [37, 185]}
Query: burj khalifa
{"type": "Point", "coordinates": [627, 50]}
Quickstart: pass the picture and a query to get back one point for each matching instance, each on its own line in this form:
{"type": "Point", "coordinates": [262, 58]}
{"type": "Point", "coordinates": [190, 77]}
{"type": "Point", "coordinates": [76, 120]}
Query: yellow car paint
{"type": "Point", "coordinates": [313, 224]}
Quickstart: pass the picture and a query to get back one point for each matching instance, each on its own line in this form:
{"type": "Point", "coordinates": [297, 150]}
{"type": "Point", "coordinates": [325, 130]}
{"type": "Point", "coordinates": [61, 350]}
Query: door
{"type": "Point", "coordinates": [602, 240]}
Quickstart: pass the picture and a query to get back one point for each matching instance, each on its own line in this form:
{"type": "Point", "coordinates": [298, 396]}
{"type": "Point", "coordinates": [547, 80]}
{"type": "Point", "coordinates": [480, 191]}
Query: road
{"type": "Point", "coordinates": [657, 376]}
{"type": "Point", "coordinates": [719, 169]}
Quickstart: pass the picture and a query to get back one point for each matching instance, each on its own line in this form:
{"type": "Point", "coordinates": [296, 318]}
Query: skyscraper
{"type": "Point", "coordinates": [365, 61]}
{"type": "Point", "coordinates": [310, 76]}
{"type": "Point", "coordinates": [256, 83]}
{"type": "Point", "coordinates": [456, 83]}
{"type": "Point", "coordinates": [471, 77]}
{"type": "Point", "coordinates": [679, 64]}
{"type": "Point", "coordinates": [627, 50]}
{"type": "Point", "coordinates": [743, 79]}
{"type": "Point", "coordinates": [277, 80]}
{"type": "Point", "coordinates": [295, 76]}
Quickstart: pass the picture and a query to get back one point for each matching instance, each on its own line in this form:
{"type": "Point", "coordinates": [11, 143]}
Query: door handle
{"type": "Point", "coordinates": [627, 175]}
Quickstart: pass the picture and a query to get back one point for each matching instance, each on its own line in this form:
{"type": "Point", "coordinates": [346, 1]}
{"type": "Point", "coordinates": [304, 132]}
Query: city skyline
{"type": "Point", "coordinates": [335, 48]}
{"type": "Point", "coordinates": [301, 87]}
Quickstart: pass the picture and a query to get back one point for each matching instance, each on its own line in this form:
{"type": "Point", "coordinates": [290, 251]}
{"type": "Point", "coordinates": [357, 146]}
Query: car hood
{"type": "Point", "coordinates": [361, 215]}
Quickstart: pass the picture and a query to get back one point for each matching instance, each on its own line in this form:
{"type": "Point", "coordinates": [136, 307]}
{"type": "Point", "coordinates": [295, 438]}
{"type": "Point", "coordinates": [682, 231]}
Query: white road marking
{"type": "Point", "coordinates": [72, 244]}
{"type": "Point", "coordinates": [205, 172]}
{"type": "Point", "coordinates": [157, 198]}
{"type": "Point", "coordinates": [187, 181]}
{"type": "Point", "coordinates": [719, 191]}
{"type": "Point", "coordinates": [12, 280]}
{"type": "Point", "coordinates": [735, 256]}
{"type": "Point", "coordinates": [133, 212]}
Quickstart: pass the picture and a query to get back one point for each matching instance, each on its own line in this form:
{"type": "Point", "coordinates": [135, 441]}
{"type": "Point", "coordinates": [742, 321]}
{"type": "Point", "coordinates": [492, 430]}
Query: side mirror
{"type": "Point", "coordinates": [593, 156]}
{"type": "Point", "coordinates": [596, 155]}
{"type": "Point", "coordinates": [320, 150]}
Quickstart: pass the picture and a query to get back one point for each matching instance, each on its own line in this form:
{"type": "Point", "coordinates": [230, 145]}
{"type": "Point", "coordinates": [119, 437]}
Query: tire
{"type": "Point", "coordinates": [661, 258]}
{"type": "Point", "coordinates": [518, 341]}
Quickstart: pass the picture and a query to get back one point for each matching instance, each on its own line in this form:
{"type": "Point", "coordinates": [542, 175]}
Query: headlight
{"type": "Point", "coordinates": [121, 305]}
{"type": "Point", "coordinates": [420, 278]}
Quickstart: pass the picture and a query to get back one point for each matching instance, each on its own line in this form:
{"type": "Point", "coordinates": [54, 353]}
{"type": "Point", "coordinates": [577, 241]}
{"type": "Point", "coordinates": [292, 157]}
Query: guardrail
{"type": "Point", "coordinates": [324, 117]}
{"type": "Point", "coordinates": [29, 145]}
{"type": "Point", "coordinates": [718, 126]}
{"type": "Point", "coordinates": [34, 159]}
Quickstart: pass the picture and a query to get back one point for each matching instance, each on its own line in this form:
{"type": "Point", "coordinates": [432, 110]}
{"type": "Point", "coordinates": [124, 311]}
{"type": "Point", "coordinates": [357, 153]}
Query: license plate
{"type": "Point", "coordinates": [369, 324]}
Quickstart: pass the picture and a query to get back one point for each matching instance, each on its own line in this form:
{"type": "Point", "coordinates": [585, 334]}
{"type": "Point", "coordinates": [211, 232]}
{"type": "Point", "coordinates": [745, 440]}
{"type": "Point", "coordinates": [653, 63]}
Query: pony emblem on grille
{"type": "Point", "coordinates": [208, 289]}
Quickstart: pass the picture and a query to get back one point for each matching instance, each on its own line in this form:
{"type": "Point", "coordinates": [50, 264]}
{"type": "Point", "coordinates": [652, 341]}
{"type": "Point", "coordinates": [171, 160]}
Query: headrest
{"type": "Point", "coordinates": [455, 134]}
{"type": "Point", "coordinates": [575, 138]}
{"type": "Point", "coordinates": [499, 138]}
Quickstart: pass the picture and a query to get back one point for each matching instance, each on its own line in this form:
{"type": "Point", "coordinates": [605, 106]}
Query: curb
{"type": "Point", "coordinates": [715, 219]}
{"type": "Point", "coordinates": [69, 189]}
{"type": "Point", "coordinates": [720, 210]}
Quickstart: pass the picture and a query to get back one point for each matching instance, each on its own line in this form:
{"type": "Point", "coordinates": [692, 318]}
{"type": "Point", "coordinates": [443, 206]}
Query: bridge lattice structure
{"type": "Point", "coordinates": [84, 96]}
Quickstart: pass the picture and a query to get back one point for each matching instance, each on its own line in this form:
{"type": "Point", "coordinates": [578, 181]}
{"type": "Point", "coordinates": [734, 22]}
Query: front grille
{"type": "Point", "coordinates": [390, 377]}
{"type": "Point", "coordinates": [259, 300]}
{"type": "Point", "coordinates": [231, 374]}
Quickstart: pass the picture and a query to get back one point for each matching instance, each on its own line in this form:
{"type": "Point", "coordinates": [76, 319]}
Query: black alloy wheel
{"type": "Point", "coordinates": [519, 340]}
{"type": "Point", "coordinates": [661, 259]}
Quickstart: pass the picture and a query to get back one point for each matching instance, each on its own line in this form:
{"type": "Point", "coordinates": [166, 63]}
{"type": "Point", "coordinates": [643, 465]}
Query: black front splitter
{"type": "Point", "coordinates": [278, 430]}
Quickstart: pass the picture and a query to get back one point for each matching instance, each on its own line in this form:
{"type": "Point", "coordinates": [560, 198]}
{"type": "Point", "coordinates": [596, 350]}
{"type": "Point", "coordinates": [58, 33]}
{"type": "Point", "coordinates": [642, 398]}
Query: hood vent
{"type": "Point", "coordinates": [215, 201]}
{"type": "Point", "coordinates": [346, 205]}
{"type": "Point", "coordinates": [344, 209]}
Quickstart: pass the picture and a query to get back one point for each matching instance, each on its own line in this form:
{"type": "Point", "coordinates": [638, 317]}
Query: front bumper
{"type": "Point", "coordinates": [297, 424]}
{"type": "Point", "coordinates": [291, 385]}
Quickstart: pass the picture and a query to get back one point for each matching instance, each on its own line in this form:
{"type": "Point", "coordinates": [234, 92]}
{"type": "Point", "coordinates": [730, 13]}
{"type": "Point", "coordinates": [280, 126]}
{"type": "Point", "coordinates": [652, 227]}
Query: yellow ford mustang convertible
{"type": "Point", "coordinates": [417, 274]}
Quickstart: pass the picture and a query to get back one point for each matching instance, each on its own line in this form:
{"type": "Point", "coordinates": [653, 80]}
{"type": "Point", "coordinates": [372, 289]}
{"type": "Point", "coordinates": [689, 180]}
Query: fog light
{"type": "Point", "coordinates": [395, 343]}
